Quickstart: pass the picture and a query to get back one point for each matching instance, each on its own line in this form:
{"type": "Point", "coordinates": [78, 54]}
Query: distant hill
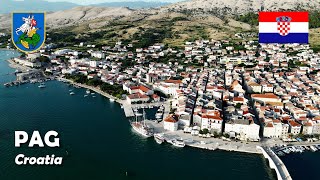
{"type": "Point", "coordinates": [235, 7]}
{"type": "Point", "coordinates": [133, 4]}
{"type": "Point", "coordinates": [8, 6]}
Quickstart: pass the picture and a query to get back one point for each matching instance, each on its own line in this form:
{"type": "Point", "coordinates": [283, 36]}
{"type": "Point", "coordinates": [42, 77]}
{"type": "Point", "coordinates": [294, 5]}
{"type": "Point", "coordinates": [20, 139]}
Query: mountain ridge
{"type": "Point", "coordinates": [233, 7]}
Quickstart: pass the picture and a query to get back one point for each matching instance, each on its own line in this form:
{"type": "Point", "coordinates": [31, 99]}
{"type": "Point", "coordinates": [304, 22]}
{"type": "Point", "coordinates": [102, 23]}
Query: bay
{"type": "Point", "coordinates": [97, 141]}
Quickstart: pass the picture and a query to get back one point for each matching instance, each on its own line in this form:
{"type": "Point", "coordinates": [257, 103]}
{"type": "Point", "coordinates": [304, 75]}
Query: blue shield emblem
{"type": "Point", "coordinates": [28, 31]}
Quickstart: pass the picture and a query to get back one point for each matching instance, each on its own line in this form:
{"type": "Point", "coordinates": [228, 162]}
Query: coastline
{"type": "Point", "coordinates": [224, 145]}
{"type": "Point", "coordinates": [244, 147]}
{"type": "Point", "coordinates": [95, 89]}
{"type": "Point", "coordinates": [16, 66]}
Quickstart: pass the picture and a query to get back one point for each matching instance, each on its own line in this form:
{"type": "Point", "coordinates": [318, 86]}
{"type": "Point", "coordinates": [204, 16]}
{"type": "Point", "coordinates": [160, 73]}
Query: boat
{"type": "Point", "coordinates": [42, 85]}
{"type": "Point", "coordinates": [159, 138]}
{"type": "Point", "coordinates": [88, 91]}
{"type": "Point", "coordinates": [141, 127]}
{"type": "Point", "coordinates": [280, 153]}
{"type": "Point", "coordinates": [138, 114]}
{"type": "Point", "coordinates": [72, 93]}
{"type": "Point", "coordinates": [178, 143]}
{"type": "Point", "coordinates": [159, 113]}
{"type": "Point", "coordinates": [121, 106]}
{"type": "Point", "coordinates": [313, 149]}
{"type": "Point", "coordinates": [111, 99]}
{"type": "Point", "coordinates": [93, 93]}
{"type": "Point", "coordinates": [85, 95]}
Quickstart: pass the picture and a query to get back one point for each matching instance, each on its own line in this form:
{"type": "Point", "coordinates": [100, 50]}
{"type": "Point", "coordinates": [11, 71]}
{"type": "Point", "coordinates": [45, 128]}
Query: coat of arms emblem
{"type": "Point", "coordinates": [283, 25]}
{"type": "Point", "coordinates": [28, 31]}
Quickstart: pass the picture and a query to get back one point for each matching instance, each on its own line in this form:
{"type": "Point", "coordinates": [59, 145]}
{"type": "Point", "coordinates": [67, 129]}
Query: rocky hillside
{"type": "Point", "coordinates": [173, 24]}
{"type": "Point", "coordinates": [84, 14]}
{"type": "Point", "coordinates": [241, 6]}
{"type": "Point", "coordinates": [95, 17]}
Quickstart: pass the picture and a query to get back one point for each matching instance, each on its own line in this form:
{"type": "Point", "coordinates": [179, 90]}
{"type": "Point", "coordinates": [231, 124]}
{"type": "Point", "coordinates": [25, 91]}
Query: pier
{"type": "Point", "coordinates": [128, 108]}
{"type": "Point", "coordinates": [128, 111]}
{"type": "Point", "coordinates": [275, 163]}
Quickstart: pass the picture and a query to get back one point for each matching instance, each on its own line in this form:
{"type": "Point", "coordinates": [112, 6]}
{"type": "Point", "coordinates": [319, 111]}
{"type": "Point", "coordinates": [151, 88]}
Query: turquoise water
{"type": "Point", "coordinates": [100, 142]}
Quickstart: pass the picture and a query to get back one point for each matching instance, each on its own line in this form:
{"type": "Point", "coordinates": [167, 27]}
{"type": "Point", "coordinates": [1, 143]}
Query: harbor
{"type": "Point", "coordinates": [180, 139]}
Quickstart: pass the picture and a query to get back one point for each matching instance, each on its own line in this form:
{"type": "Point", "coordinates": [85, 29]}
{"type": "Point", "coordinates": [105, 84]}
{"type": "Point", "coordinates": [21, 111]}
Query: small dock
{"type": "Point", "coordinates": [128, 108]}
{"type": "Point", "coordinates": [128, 111]}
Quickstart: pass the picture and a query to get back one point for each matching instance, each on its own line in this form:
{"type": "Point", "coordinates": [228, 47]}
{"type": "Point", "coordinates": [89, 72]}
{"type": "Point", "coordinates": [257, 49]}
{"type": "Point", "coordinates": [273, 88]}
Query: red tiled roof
{"type": "Point", "coordinates": [137, 96]}
{"type": "Point", "coordinates": [171, 118]}
{"type": "Point", "coordinates": [293, 123]}
{"type": "Point", "coordinates": [269, 125]}
{"type": "Point", "coordinates": [173, 81]}
{"type": "Point", "coordinates": [267, 95]}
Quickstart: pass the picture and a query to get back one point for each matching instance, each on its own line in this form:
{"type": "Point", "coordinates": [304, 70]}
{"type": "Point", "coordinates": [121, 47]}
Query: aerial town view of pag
{"type": "Point", "coordinates": [159, 90]}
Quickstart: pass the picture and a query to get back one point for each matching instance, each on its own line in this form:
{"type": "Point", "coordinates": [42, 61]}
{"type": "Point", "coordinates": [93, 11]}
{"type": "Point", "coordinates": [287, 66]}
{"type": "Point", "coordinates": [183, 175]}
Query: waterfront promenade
{"type": "Point", "coordinates": [128, 108]}
{"type": "Point", "coordinates": [95, 89]}
{"type": "Point", "coordinates": [275, 163]}
{"type": "Point", "coordinates": [206, 143]}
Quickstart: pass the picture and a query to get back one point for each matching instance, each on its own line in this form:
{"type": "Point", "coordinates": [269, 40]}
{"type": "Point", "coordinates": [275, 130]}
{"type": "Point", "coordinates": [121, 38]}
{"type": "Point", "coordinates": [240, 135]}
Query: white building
{"type": "Point", "coordinates": [184, 120]}
{"type": "Point", "coordinates": [294, 127]}
{"type": "Point", "coordinates": [212, 121]}
{"type": "Point", "coordinates": [246, 129]}
{"type": "Point", "coordinates": [273, 129]}
{"type": "Point", "coordinates": [285, 130]}
{"type": "Point", "coordinates": [98, 54]}
{"type": "Point", "coordinates": [307, 128]}
{"type": "Point", "coordinates": [170, 123]}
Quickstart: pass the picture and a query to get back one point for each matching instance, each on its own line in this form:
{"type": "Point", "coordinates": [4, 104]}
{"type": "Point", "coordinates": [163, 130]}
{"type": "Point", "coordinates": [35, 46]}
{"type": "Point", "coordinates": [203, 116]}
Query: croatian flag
{"type": "Point", "coordinates": [283, 27]}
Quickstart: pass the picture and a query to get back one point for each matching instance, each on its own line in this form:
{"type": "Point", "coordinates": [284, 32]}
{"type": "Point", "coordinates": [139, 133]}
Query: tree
{"type": "Point", "coordinates": [43, 59]}
{"type": "Point", "coordinates": [205, 131]}
{"type": "Point", "coordinates": [226, 135]}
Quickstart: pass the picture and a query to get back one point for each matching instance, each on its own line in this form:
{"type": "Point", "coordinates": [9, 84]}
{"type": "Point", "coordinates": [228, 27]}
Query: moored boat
{"type": "Point", "coordinates": [159, 138]}
{"type": "Point", "coordinates": [42, 85]}
{"type": "Point", "coordinates": [178, 143]}
{"type": "Point", "coordinates": [141, 127]}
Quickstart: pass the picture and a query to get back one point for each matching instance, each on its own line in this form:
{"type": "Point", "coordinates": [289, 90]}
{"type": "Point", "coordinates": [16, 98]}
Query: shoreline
{"type": "Point", "coordinates": [95, 89]}
{"type": "Point", "coordinates": [17, 66]}
{"type": "Point", "coordinates": [244, 147]}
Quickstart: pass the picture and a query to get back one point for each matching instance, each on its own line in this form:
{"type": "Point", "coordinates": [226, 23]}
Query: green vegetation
{"type": "Point", "coordinates": [295, 64]}
{"type": "Point", "coordinates": [114, 90]}
{"type": "Point", "coordinates": [43, 59]}
{"type": "Point", "coordinates": [179, 19]}
{"type": "Point", "coordinates": [304, 137]}
{"type": "Point", "coordinates": [151, 36]}
{"type": "Point", "coordinates": [316, 48]}
{"type": "Point", "coordinates": [314, 20]}
{"type": "Point", "coordinates": [253, 18]}
{"type": "Point", "coordinates": [204, 131]}
{"type": "Point", "coordinates": [4, 40]}
{"type": "Point", "coordinates": [238, 105]}
{"type": "Point", "coordinates": [161, 94]}
{"type": "Point", "coordinates": [250, 18]}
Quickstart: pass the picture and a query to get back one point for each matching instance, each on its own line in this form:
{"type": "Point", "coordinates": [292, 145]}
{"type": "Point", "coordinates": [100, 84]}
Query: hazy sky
{"type": "Point", "coordinates": [85, 2]}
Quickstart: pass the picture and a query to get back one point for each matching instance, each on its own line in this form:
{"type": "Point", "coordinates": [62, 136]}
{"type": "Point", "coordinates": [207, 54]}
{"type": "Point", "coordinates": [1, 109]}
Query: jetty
{"type": "Point", "coordinates": [128, 111]}
{"type": "Point", "coordinates": [128, 108]}
{"type": "Point", "coordinates": [275, 163]}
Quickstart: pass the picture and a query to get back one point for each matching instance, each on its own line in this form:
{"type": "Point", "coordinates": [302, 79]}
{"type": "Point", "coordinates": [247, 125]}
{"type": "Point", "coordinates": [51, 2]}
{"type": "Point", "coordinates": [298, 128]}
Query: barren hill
{"type": "Point", "coordinates": [242, 6]}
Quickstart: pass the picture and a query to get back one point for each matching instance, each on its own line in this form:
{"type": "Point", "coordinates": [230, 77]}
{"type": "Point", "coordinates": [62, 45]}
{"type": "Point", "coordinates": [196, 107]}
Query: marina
{"type": "Point", "coordinates": [181, 139]}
